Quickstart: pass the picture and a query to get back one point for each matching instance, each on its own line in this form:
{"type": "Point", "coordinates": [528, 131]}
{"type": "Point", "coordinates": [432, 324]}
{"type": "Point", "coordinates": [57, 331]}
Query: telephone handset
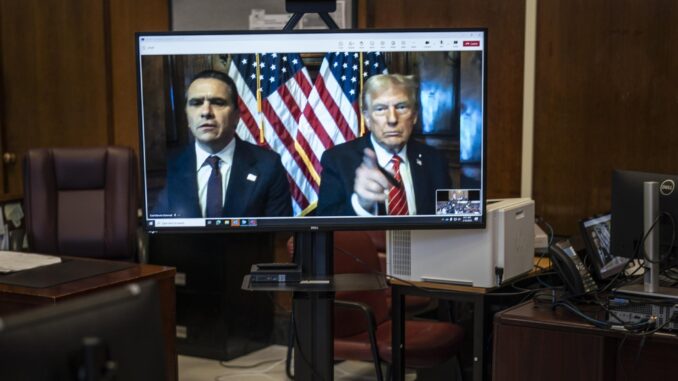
{"type": "Point", "coordinates": [571, 269]}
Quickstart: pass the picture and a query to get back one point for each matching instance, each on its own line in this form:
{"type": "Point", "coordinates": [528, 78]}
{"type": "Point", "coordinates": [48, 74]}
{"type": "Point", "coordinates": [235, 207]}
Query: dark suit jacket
{"type": "Point", "coordinates": [267, 196]}
{"type": "Point", "coordinates": [428, 167]}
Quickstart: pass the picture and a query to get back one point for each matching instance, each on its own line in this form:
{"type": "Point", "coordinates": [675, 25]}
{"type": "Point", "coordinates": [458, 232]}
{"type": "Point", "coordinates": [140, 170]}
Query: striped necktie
{"type": "Point", "coordinates": [213, 206]}
{"type": "Point", "coordinates": [397, 200]}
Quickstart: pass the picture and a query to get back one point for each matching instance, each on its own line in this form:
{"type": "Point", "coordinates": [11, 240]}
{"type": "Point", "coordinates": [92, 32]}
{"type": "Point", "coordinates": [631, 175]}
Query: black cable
{"type": "Point", "coordinates": [614, 279]}
{"type": "Point", "coordinates": [551, 234]}
{"type": "Point", "coordinates": [275, 303]}
{"type": "Point", "coordinates": [640, 247]}
{"type": "Point", "coordinates": [667, 253]}
{"type": "Point", "coordinates": [671, 274]}
{"type": "Point", "coordinates": [376, 272]}
{"type": "Point", "coordinates": [640, 349]}
{"type": "Point", "coordinates": [290, 348]}
{"type": "Point", "coordinates": [568, 306]}
{"type": "Point", "coordinates": [301, 353]}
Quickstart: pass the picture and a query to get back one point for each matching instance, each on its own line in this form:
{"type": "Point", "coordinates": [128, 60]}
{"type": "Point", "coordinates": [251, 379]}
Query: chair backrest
{"type": "Point", "coordinates": [354, 252]}
{"type": "Point", "coordinates": [81, 201]}
{"type": "Point", "coordinates": [378, 238]}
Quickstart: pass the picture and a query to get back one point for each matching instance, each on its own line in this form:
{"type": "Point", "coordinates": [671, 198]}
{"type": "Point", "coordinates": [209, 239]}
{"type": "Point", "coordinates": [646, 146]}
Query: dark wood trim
{"type": "Point", "coordinates": [108, 57]}
{"type": "Point", "coordinates": [4, 185]}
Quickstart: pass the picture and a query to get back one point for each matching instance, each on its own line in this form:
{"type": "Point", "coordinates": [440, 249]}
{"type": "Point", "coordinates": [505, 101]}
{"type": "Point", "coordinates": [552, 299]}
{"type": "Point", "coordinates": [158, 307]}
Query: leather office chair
{"type": "Point", "coordinates": [81, 201]}
{"type": "Point", "coordinates": [362, 325]}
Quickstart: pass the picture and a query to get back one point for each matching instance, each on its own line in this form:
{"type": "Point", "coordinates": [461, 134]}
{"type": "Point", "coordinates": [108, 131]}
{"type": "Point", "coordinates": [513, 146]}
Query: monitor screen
{"type": "Point", "coordinates": [110, 335]}
{"type": "Point", "coordinates": [596, 234]}
{"type": "Point", "coordinates": [627, 213]}
{"type": "Point", "coordinates": [304, 131]}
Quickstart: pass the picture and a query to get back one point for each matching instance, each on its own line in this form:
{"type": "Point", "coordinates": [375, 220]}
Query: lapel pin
{"type": "Point", "coordinates": [251, 177]}
{"type": "Point", "coordinates": [419, 162]}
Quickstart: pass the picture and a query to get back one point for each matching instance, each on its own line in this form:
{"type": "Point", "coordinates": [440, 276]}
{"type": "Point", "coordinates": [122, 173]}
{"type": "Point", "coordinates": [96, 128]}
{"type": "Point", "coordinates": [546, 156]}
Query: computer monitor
{"type": "Point", "coordinates": [110, 335]}
{"type": "Point", "coordinates": [627, 213]}
{"type": "Point", "coordinates": [298, 99]}
{"type": "Point", "coordinates": [596, 234]}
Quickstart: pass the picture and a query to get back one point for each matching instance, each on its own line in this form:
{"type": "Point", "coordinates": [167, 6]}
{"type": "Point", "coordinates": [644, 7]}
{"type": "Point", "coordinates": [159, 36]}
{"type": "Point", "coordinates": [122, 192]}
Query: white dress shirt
{"type": "Point", "coordinates": [384, 159]}
{"type": "Point", "coordinates": [204, 170]}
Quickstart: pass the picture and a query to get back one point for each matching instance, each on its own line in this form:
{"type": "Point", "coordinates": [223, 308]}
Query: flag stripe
{"type": "Point", "coordinates": [285, 138]}
{"type": "Point", "coordinates": [311, 160]}
{"type": "Point", "coordinates": [335, 112]}
{"type": "Point", "coordinates": [248, 120]}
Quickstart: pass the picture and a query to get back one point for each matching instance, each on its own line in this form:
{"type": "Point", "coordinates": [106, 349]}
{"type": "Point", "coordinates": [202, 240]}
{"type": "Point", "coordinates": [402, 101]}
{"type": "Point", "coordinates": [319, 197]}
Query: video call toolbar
{"type": "Point", "coordinates": [196, 44]}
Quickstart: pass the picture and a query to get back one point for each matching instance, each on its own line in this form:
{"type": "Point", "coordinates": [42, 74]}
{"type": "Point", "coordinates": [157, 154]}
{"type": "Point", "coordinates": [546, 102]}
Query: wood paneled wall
{"type": "Point", "coordinates": [505, 21]}
{"type": "Point", "coordinates": [67, 74]}
{"type": "Point", "coordinates": [606, 97]}
{"type": "Point", "coordinates": [605, 85]}
{"type": "Point", "coordinates": [605, 89]}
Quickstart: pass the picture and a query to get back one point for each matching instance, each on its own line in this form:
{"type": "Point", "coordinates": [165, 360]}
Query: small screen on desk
{"type": "Point", "coordinates": [596, 234]}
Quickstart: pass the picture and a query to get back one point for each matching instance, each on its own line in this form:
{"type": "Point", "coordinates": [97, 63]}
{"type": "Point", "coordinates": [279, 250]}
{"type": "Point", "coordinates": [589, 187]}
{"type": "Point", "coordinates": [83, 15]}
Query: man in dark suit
{"type": "Point", "coordinates": [383, 172]}
{"type": "Point", "coordinates": [221, 175]}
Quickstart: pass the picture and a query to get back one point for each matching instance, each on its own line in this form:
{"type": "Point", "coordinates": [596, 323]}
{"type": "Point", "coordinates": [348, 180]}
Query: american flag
{"type": "Point", "coordinates": [299, 120]}
{"type": "Point", "coordinates": [271, 120]}
{"type": "Point", "coordinates": [332, 114]}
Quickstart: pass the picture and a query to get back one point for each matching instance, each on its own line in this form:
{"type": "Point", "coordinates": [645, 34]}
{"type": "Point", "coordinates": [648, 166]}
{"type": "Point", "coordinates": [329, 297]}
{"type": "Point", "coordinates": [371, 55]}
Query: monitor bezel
{"type": "Point", "coordinates": [316, 223]}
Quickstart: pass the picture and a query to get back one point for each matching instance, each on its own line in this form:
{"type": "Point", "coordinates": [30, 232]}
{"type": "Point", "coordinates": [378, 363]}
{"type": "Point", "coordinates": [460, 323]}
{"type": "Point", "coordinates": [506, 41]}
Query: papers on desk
{"type": "Point", "coordinates": [11, 261]}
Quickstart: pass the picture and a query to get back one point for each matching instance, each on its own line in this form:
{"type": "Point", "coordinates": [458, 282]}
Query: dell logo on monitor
{"type": "Point", "coordinates": [666, 187]}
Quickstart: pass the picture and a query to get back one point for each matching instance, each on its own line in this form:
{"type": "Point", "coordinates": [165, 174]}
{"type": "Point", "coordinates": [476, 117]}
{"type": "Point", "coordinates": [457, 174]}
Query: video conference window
{"type": "Point", "coordinates": [373, 127]}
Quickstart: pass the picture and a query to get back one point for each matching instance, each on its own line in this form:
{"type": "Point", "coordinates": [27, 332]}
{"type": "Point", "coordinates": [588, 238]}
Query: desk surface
{"type": "Point", "coordinates": [52, 294]}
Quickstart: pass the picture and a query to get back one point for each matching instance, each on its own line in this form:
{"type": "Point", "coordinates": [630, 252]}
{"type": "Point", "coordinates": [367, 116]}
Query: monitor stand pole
{"type": "Point", "coordinates": [313, 312]}
{"type": "Point", "coordinates": [650, 286]}
{"type": "Point", "coordinates": [313, 315]}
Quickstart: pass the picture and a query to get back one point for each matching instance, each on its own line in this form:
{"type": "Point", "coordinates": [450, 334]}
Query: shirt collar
{"type": "Point", "coordinates": [384, 156]}
{"type": "Point", "coordinates": [225, 155]}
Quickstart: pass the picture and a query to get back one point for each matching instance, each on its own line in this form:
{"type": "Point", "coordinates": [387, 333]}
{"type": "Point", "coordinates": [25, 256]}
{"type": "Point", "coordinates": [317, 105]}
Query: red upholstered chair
{"type": "Point", "coordinates": [81, 201]}
{"type": "Point", "coordinates": [414, 304]}
{"type": "Point", "coordinates": [362, 325]}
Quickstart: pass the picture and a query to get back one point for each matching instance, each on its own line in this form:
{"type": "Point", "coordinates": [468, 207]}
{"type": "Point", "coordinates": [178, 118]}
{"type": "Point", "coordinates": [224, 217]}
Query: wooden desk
{"type": "Point", "coordinates": [481, 321]}
{"type": "Point", "coordinates": [533, 342]}
{"type": "Point", "coordinates": [16, 298]}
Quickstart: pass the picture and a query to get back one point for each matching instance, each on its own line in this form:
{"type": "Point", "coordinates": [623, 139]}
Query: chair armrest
{"type": "Point", "coordinates": [367, 311]}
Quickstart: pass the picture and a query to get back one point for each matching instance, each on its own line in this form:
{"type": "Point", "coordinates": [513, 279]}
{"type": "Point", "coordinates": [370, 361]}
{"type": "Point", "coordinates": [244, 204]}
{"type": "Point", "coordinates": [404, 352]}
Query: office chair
{"type": "Point", "coordinates": [414, 304]}
{"type": "Point", "coordinates": [362, 325]}
{"type": "Point", "coordinates": [81, 201]}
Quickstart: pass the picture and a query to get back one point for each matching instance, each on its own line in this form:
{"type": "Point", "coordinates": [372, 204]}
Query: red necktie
{"type": "Point", "coordinates": [213, 207]}
{"type": "Point", "coordinates": [397, 200]}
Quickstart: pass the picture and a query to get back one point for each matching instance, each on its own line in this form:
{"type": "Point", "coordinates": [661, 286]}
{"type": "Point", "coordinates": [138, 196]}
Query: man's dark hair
{"type": "Point", "coordinates": [221, 76]}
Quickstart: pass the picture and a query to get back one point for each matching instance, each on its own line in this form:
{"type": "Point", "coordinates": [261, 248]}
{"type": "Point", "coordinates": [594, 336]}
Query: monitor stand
{"type": "Point", "coordinates": [313, 312]}
{"type": "Point", "coordinates": [650, 286]}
